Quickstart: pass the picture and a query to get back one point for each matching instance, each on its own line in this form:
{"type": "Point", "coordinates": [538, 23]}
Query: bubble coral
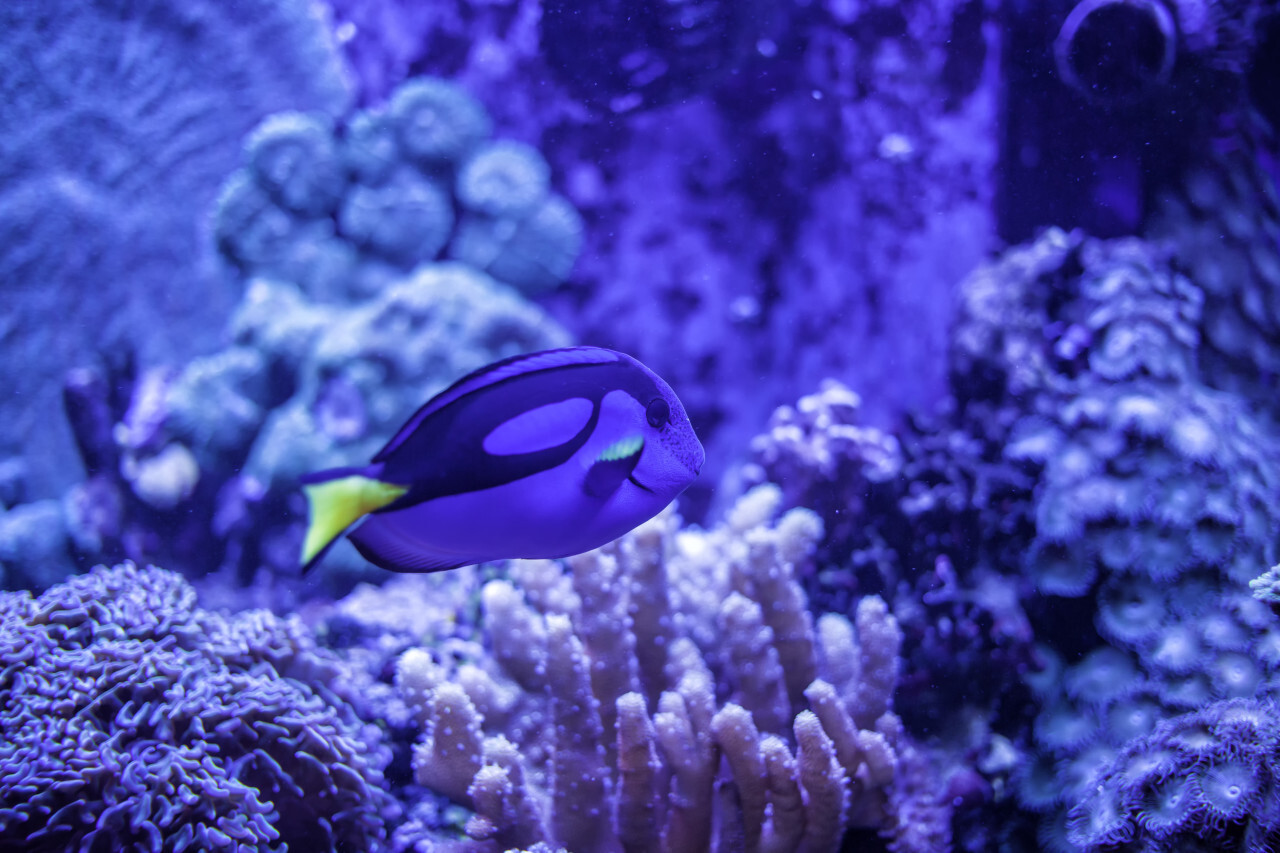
{"type": "Point", "coordinates": [293, 157]}
{"type": "Point", "coordinates": [437, 122]}
{"type": "Point", "coordinates": [503, 179]}
{"type": "Point", "coordinates": [407, 220]}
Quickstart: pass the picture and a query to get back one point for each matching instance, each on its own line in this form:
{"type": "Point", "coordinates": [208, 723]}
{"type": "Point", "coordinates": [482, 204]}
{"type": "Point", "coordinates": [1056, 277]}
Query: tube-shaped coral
{"type": "Point", "coordinates": [638, 805]}
{"type": "Point", "coordinates": [661, 776]}
{"type": "Point", "coordinates": [607, 638]}
{"type": "Point", "coordinates": [580, 781]}
{"type": "Point", "coordinates": [761, 687]}
{"type": "Point", "coordinates": [450, 756]}
{"type": "Point", "coordinates": [824, 783]}
{"type": "Point", "coordinates": [739, 742]}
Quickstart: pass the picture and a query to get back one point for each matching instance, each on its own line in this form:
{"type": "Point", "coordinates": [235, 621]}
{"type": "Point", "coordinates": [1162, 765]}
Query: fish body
{"type": "Point", "coordinates": [546, 454]}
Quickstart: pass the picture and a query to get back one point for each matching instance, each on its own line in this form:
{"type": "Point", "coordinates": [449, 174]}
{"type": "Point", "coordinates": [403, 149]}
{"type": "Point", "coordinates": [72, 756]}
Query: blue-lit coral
{"type": "Point", "coordinates": [929, 515]}
{"type": "Point", "coordinates": [338, 211]}
{"type": "Point", "coordinates": [121, 122]}
{"type": "Point", "coordinates": [1202, 780]}
{"type": "Point", "coordinates": [135, 720]}
{"type": "Point", "coordinates": [1148, 481]}
{"type": "Point", "coordinates": [303, 385]}
{"type": "Point", "coordinates": [1266, 586]}
{"type": "Point", "coordinates": [335, 230]}
{"type": "Point", "coordinates": [634, 673]}
{"type": "Point", "coordinates": [1224, 220]}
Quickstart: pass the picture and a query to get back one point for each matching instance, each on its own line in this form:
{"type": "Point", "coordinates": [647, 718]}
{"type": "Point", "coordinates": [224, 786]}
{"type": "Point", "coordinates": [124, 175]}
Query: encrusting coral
{"type": "Point", "coordinates": [1084, 469]}
{"type": "Point", "coordinates": [132, 719]}
{"type": "Point", "coordinates": [598, 710]}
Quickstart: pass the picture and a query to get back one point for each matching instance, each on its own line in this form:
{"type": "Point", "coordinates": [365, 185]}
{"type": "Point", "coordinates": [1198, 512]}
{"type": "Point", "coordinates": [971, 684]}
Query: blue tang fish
{"type": "Point", "coordinates": [547, 454]}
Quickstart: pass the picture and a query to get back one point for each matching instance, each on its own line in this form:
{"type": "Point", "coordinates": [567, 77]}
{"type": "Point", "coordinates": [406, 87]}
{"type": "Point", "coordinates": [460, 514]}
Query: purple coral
{"type": "Point", "coordinates": [118, 133]}
{"type": "Point", "coordinates": [802, 715]}
{"type": "Point", "coordinates": [340, 210]}
{"type": "Point", "coordinates": [133, 719]}
{"type": "Point", "coordinates": [1206, 779]}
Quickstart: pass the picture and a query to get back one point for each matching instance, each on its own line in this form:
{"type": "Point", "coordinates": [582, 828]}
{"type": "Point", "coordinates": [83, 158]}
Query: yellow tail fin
{"type": "Point", "coordinates": [335, 505]}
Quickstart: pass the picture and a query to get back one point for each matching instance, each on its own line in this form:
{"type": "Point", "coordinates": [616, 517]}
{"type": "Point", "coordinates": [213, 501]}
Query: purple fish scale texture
{"type": "Point", "coordinates": [563, 728]}
{"type": "Point", "coordinates": [135, 720]}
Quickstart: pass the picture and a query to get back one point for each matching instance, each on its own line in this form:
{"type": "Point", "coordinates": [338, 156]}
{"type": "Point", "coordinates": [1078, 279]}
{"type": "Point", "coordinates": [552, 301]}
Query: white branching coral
{"type": "Point", "coordinates": [608, 690]}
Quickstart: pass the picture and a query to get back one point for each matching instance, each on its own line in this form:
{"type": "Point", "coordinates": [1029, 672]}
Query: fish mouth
{"type": "Point", "coordinates": [638, 484]}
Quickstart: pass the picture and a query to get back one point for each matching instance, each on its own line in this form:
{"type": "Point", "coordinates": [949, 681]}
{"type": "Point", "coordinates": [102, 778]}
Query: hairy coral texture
{"type": "Point", "coordinates": [134, 720]}
{"type": "Point", "coordinates": [615, 753]}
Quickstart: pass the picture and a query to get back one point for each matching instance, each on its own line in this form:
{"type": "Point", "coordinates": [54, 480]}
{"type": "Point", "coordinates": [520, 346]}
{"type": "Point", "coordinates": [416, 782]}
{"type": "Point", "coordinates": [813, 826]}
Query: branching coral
{"type": "Point", "coordinates": [133, 719]}
{"type": "Point", "coordinates": [597, 713]}
{"type": "Point", "coordinates": [931, 517]}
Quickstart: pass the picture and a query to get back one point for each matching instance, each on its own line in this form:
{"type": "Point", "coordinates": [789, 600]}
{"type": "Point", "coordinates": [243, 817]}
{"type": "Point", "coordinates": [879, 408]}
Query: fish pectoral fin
{"type": "Point", "coordinates": [614, 464]}
{"type": "Point", "coordinates": [334, 505]}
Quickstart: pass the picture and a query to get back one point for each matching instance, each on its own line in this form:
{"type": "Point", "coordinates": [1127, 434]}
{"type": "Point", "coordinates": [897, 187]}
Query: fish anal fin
{"type": "Point", "coordinates": [382, 544]}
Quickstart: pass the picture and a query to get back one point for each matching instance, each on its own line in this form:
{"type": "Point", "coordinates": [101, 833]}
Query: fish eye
{"type": "Point", "coordinates": [657, 413]}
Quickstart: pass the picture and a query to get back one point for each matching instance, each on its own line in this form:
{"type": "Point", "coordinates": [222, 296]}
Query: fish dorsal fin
{"type": "Point", "coordinates": [492, 374]}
